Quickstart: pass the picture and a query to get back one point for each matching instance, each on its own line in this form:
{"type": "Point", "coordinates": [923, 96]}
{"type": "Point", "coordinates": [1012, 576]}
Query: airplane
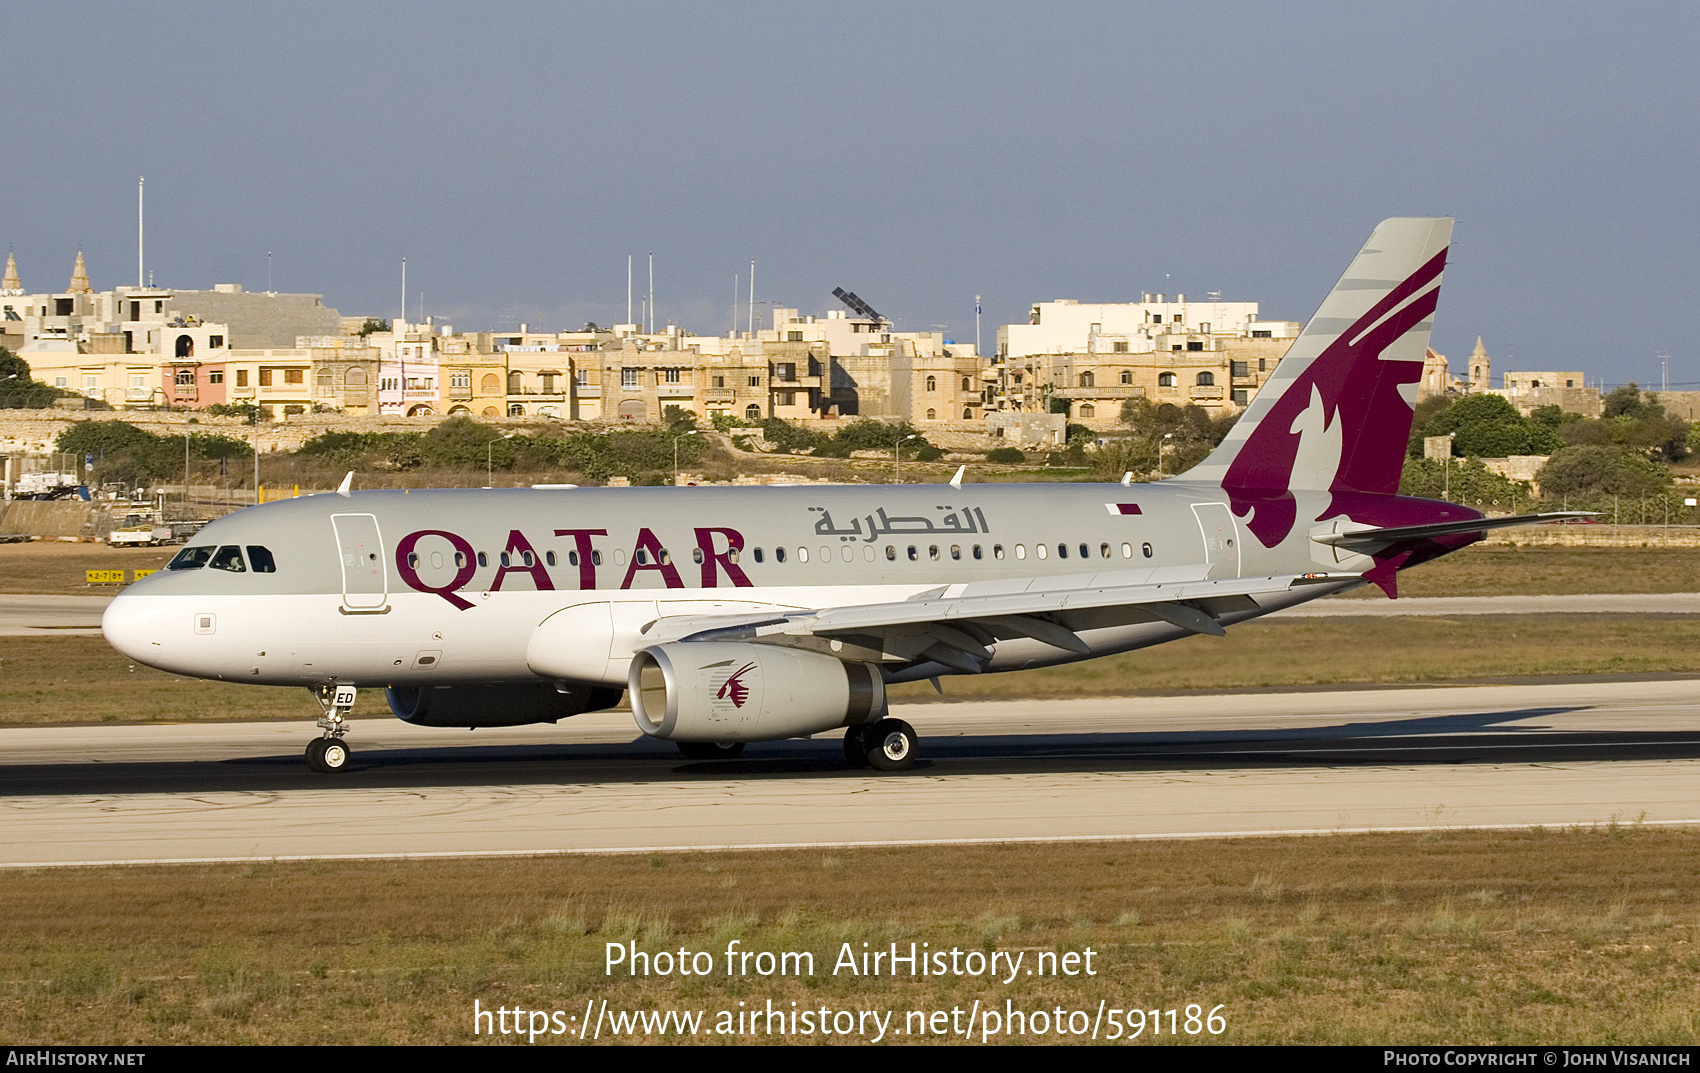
{"type": "Point", "coordinates": [735, 615]}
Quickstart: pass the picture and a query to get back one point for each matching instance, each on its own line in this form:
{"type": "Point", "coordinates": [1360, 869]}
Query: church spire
{"type": "Point", "coordinates": [80, 278]}
{"type": "Point", "coordinates": [11, 284]}
{"type": "Point", "coordinates": [1481, 368]}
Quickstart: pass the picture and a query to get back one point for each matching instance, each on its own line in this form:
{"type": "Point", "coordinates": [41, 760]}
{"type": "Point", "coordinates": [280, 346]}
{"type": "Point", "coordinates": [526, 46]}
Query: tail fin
{"type": "Point", "coordinates": [1336, 413]}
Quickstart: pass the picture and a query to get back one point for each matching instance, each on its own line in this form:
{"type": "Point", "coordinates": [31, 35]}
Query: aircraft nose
{"type": "Point", "coordinates": [132, 625]}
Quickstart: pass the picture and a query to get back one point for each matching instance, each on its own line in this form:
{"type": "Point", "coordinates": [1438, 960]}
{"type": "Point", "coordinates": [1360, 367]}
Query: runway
{"type": "Point", "coordinates": [1591, 752]}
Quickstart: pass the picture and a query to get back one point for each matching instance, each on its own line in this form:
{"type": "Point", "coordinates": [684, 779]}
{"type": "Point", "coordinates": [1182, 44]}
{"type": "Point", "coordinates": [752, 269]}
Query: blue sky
{"type": "Point", "coordinates": [917, 154]}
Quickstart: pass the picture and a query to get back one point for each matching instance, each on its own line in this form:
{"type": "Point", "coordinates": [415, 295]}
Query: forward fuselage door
{"type": "Point", "coordinates": [365, 581]}
{"type": "Point", "coordinates": [1221, 538]}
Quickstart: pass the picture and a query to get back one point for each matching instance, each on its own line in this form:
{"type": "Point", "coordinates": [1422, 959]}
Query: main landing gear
{"type": "Point", "coordinates": [888, 745]}
{"type": "Point", "coordinates": [330, 754]}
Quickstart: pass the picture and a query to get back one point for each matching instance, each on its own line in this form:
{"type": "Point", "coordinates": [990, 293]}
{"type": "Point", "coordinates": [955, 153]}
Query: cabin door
{"type": "Point", "coordinates": [365, 581]}
{"type": "Point", "coordinates": [1221, 538]}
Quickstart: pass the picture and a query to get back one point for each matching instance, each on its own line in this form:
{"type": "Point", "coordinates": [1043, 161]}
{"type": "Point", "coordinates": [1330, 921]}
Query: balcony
{"type": "Point", "coordinates": [675, 391]}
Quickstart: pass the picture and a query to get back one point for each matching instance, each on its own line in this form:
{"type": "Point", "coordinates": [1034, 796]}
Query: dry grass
{"type": "Point", "coordinates": [82, 680]}
{"type": "Point", "coordinates": [59, 568]}
{"type": "Point", "coordinates": [1541, 936]}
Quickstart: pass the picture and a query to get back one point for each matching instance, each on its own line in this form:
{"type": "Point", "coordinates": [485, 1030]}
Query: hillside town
{"type": "Point", "coordinates": [1075, 371]}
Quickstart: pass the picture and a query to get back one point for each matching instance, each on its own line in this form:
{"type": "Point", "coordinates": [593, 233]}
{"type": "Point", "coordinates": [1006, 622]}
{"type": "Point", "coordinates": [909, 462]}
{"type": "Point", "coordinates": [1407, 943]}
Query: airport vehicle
{"type": "Point", "coordinates": [747, 614]}
{"type": "Point", "coordinates": [140, 536]}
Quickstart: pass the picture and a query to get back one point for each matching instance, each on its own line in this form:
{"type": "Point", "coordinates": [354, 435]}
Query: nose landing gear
{"type": "Point", "coordinates": [330, 754]}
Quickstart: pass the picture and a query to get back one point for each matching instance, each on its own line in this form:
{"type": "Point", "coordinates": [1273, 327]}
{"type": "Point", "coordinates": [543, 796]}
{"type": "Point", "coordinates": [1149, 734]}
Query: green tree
{"type": "Point", "coordinates": [1582, 472]}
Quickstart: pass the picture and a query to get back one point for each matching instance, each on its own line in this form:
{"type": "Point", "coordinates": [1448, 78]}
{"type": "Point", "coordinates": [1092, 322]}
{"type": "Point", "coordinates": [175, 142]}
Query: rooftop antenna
{"type": "Point", "coordinates": [1664, 371]}
{"type": "Point", "coordinates": [652, 294]}
{"type": "Point", "coordinates": [734, 304]}
{"type": "Point", "coordinates": [628, 288]}
{"type": "Point", "coordinates": [976, 324]}
{"type": "Point", "coordinates": [269, 272]}
{"type": "Point", "coordinates": [141, 276]}
{"type": "Point", "coordinates": [403, 295]}
{"type": "Point", "coordinates": [752, 299]}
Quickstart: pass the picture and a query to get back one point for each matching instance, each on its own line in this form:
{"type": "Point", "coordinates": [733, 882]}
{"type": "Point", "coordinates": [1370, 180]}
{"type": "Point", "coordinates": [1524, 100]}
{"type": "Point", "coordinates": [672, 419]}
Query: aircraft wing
{"type": "Point", "coordinates": [954, 628]}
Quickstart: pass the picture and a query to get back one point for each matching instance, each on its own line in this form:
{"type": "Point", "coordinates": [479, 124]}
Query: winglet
{"type": "Point", "coordinates": [347, 483]}
{"type": "Point", "coordinates": [956, 481]}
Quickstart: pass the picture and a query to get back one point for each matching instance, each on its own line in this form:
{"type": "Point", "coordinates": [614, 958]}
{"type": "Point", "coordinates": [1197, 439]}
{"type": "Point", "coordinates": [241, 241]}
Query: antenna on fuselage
{"type": "Point", "coordinates": [1127, 478]}
{"type": "Point", "coordinates": [956, 481]}
{"type": "Point", "coordinates": [347, 483]}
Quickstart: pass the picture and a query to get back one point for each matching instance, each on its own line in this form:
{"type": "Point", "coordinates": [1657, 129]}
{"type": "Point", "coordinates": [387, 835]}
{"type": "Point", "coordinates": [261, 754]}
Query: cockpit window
{"type": "Point", "coordinates": [190, 558]}
{"type": "Point", "coordinates": [261, 560]}
{"type": "Point", "coordinates": [228, 558]}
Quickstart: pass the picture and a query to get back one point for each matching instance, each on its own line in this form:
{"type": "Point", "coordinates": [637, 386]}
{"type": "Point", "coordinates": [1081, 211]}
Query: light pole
{"type": "Point", "coordinates": [676, 439]}
{"type": "Point", "coordinates": [491, 446]}
{"type": "Point", "coordinates": [185, 467]}
{"type": "Point", "coordinates": [1161, 447]}
{"type": "Point", "coordinates": [897, 458]}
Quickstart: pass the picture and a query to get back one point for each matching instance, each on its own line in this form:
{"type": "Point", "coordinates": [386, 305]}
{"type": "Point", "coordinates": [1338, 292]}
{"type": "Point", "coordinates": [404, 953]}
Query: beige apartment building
{"type": "Point", "coordinates": [1090, 358]}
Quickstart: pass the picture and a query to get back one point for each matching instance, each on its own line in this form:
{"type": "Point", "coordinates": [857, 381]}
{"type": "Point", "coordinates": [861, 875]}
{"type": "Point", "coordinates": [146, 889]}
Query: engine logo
{"type": "Point", "coordinates": [734, 689]}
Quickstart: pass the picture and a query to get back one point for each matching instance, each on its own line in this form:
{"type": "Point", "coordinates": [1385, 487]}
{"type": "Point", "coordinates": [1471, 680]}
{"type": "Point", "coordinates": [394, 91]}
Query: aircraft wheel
{"type": "Point", "coordinates": [711, 750]}
{"type": "Point", "coordinates": [336, 755]}
{"type": "Point", "coordinates": [328, 755]}
{"type": "Point", "coordinates": [856, 746]}
{"type": "Point", "coordinates": [891, 745]}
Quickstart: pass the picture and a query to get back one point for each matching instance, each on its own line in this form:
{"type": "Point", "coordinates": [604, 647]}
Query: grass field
{"type": "Point", "coordinates": [82, 680]}
{"type": "Point", "coordinates": [1465, 938]}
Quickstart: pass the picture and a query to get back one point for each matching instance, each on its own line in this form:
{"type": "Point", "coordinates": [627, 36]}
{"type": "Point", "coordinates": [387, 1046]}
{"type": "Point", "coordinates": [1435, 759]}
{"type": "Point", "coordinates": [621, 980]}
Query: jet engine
{"type": "Point", "coordinates": [727, 692]}
{"type": "Point", "coordinates": [506, 705]}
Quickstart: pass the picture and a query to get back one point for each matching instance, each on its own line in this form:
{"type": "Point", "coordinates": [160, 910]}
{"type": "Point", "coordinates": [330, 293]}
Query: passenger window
{"type": "Point", "coordinates": [778, 555]}
{"type": "Point", "coordinates": [261, 560]}
{"type": "Point", "coordinates": [527, 558]}
{"type": "Point", "coordinates": [595, 558]}
{"type": "Point", "coordinates": [190, 558]}
{"type": "Point", "coordinates": [460, 560]}
{"type": "Point", "coordinates": [1104, 550]}
{"type": "Point", "coordinates": [1062, 551]}
{"type": "Point", "coordinates": [1021, 551]}
{"type": "Point", "coordinates": [913, 554]}
{"type": "Point", "coordinates": [1085, 552]}
{"type": "Point", "coordinates": [549, 558]}
{"type": "Point", "coordinates": [758, 555]}
{"type": "Point", "coordinates": [504, 559]}
{"type": "Point", "coordinates": [412, 561]}
{"type": "Point", "coordinates": [1127, 551]}
{"type": "Point", "coordinates": [642, 557]}
{"type": "Point", "coordinates": [696, 556]}
{"type": "Point", "coordinates": [933, 553]}
{"type": "Point", "coordinates": [1146, 548]}
{"type": "Point", "coordinates": [890, 552]}
{"type": "Point", "coordinates": [1040, 550]}
{"type": "Point", "coordinates": [802, 555]}
{"type": "Point", "coordinates": [956, 551]}
{"type": "Point", "coordinates": [666, 559]}
{"type": "Point", "coordinates": [228, 558]}
{"type": "Point", "coordinates": [572, 558]}
{"type": "Point", "coordinates": [977, 554]}
{"type": "Point", "coordinates": [483, 559]}
{"type": "Point", "coordinates": [997, 551]}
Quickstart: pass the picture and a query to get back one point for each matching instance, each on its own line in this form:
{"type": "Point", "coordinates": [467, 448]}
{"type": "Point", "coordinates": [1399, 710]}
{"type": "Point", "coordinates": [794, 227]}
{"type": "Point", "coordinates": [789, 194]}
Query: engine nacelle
{"type": "Point", "coordinates": [508, 705]}
{"type": "Point", "coordinates": [726, 691]}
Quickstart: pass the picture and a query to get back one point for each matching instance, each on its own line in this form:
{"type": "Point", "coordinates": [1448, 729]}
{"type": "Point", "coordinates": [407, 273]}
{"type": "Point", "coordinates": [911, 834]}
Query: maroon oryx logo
{"type": "Point", "coordinates": [735, 690]}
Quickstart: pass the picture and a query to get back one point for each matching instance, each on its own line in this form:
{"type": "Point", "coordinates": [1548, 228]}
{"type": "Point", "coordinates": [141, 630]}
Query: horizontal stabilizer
{"type": "Point", "coordinates": [1379, 538]}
